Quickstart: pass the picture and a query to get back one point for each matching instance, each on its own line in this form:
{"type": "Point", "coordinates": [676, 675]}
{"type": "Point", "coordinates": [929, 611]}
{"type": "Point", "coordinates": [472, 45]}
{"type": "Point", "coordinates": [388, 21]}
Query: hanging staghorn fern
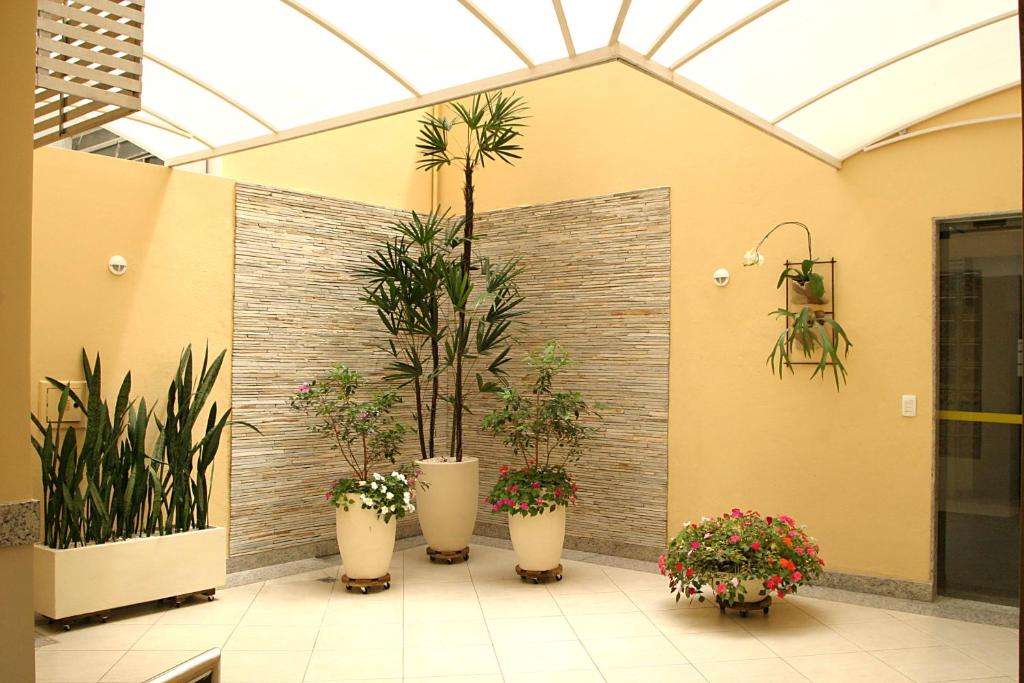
{"type": "Point", "coordinates": [109, 488]}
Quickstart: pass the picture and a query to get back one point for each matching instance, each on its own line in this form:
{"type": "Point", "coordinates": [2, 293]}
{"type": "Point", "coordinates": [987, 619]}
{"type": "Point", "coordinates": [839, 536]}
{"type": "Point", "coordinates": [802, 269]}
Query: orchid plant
{"type": "Point", "coordinates": [365, 434]}
{"type": "Point", "coordinates": [809, 330]}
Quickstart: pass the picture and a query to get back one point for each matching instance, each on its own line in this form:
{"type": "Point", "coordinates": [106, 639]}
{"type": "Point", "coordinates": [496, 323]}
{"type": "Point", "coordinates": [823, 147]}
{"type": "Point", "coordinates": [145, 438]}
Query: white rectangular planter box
{"type": "Point", "coordinates": [96, 578]}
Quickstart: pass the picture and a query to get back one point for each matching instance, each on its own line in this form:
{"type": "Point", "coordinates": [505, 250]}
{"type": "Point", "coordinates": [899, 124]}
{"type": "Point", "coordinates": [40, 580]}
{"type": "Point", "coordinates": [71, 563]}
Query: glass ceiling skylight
{"type": "Point", "coordinates": [837, 74]}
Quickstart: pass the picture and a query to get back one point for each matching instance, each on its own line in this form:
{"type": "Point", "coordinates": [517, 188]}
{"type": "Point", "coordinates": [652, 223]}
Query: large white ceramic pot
{"type": "Point", "coordinates": [446, 500]}
{"type": "Point", "coordinates": [755, 590]}
{"type": "Point", "coordinates": [538, 540]}
{"type": "Point", "coordinates": [365, 540]}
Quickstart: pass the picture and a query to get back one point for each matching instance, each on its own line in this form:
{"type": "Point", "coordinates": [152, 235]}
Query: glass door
{"type": "Point", "coordinates": [979, 388]}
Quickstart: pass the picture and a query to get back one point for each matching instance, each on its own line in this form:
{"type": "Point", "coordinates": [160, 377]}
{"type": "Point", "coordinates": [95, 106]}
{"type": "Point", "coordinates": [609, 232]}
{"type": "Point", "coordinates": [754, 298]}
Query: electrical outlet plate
{"type": "Point", "coordinates": [908, 405]}
{"type": "Point", "coordinates": [49, 399]}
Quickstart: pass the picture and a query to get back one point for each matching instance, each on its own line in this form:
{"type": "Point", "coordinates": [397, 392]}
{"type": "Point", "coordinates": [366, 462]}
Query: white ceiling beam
{"type": "Point", "coordinates": [671, 28]}
{"type": "Point", "coordinates": [210, 89]}
{"type": "Point", "coordinates": [352, 43]}
{"type": "Point", "coordinates": [725, 33]}
{"type": "Point", "coordinates": [938, 112]}
{"type": "Point", "coordinates": [582, 60]}
{"type": "Point", "coordinates": [619, 21]}
{"type": "Point", "coordinates": [563, 25]}
{"type": "Point", "coordinates": [497, 31]}
{"type": "Point", "coordinates": [175, 124]}
{"type": "Point", "coordinates": [936, 129]}
{"type": "Point", "coordinates": [156, 124]}
{"type": "Point", "coordinates": [893, 60]}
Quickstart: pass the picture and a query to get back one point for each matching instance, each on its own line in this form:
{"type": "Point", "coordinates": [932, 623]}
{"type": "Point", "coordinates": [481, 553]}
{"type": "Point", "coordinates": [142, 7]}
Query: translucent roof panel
{"type": "Point", "coordinates": [889, 99]}
{"type": "Point", "coordinates": [590, 22]}
{"type": "Point", "coordinates": [531, 23]}
{"type": "Point", "coordinates": [194, 108]}
{"type": "Point", "coordinates": [837, 74]}
{"type": "Point", "coordinates": [433, 45]}
{"type": "Point", "coordinates": [267, 56]}
{"type": "Point", "coordinates": [156, 140]}
{"type": "Point", "coordinates": [745, 68]}
{"type": "Point", "coordinates": [647, 20]}
{"type": "Point", "coordinates": [706, 21]}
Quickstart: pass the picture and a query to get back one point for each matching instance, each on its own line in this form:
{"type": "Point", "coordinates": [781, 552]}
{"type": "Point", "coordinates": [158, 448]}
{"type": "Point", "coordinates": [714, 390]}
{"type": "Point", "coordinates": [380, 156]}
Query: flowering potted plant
{"type": "Point", "coordinates": [366, 435]}
{"type": "Point", "coordinates": [547, 429]}
{"type": "Point", "coordinates": [742, 557]}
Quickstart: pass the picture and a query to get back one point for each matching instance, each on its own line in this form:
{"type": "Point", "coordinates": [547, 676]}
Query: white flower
{"type": "Point", "coordinates": [362, 483]}
{"type": "Point", "coordinates": [392, 508]}
{"type": "Point", "coordinates": [367, 500]}
{"type": "Point", "coordinates": [377, 476]}
{"type": "Point", "coordinates": [410, 508]}
{"type": "Point", "coordinates": [373, 486]}
{"type": "Point", "coordinates": [389, 495]}
{"type": "Point", "coordinates": [753, 258]}
{"type": "Point", "coordinates": [402, 477]}
{"type": "Point", "coordinates": [406, 497]}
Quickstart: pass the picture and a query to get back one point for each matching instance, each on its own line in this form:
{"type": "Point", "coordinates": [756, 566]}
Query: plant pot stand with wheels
{"type": "Point", "coordinates": [744, 608]}
{"type": "Point", "coordinates": [449, 556]}
{"type": "Point", "coordinates": [364, 585]}
{"type": "Point", "coordinates": [539, 575]}
{"type": "Point", "coordinates": [179, 600]}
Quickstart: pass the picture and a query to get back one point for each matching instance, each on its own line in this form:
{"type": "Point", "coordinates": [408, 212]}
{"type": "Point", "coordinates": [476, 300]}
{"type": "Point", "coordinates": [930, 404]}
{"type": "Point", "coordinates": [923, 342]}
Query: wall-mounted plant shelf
{"type": "Point", "coordinates": [827, 307]}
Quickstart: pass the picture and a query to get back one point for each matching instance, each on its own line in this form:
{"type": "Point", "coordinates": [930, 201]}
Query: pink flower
{"type": "Point", "coordinates": [558, 492]}
{"type": "Point", "coordinates": [304, 388]}
{"type": "Point", "coordinates": [797, 576]}
{"type": "Point", "coordinates": [734, 539]}
{"type": "Point", "coordinates": [735, 581]}
{"type": "Point", "coordinates": [736, 512]}
{"type": "Point", "coordinates": [756, 545]}
{"type": "Point", "coordinates": [694, 545]}
{"type": "Point", "coordinates": [524, 506]}
{"type": "Point", "coordinates": [512, 489]}
{"type": "Point", "coordinates": [327, 496]}
{"type": "Point", "coordinates": [799, 550]}
{"type": "Point", "coordinates": [661, 563]}
{"type": "Point", "coordinates": [362, 417]}
{"type": "Point", "coordinates": [720, 588]}
{"type": "Point", "coordinates": [494, 508]}
{"type": "Point", "coordinates": [535, 484]}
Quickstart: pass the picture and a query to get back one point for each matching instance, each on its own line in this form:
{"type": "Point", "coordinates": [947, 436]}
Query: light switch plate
{"type": "Point", "coordinates": [49, 400]}
{"type": "Point", "coordinates": [908, 405]}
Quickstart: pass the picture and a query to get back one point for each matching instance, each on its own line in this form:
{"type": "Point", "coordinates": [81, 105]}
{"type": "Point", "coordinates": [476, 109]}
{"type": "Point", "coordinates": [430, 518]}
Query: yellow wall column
{"type": "Point", "coordinates": [17, 54]}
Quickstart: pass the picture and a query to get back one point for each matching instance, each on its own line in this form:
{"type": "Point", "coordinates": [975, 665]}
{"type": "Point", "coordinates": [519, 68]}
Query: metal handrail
{"type": "Point", "coordinates": [204, 668]}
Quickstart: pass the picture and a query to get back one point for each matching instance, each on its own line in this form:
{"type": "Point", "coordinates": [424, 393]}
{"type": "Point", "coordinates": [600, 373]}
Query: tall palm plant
{"type": "Point", "coordinates": [486, 128]}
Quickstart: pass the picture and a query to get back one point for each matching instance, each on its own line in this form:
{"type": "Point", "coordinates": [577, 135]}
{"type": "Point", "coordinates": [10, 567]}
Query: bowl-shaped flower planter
{"type": "Point", "coordinates": [91, 579]}
{"type": "Point", "coordinates": [740, 558]}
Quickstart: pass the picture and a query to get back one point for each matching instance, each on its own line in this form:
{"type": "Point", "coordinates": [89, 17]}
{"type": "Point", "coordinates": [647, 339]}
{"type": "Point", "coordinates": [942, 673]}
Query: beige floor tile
{"type": "Point", "coordinates": [524, 657]}
{"type": "Point", "coordinates": [629, 580]}
{"type": "Point", "coordinates": [335, 665]}
{"type": "Point", "coordinates": [779, 616]}
{"type": "Point", "coordinates": [149, 613]}
{"type": "Point", "coordinates": [572, 584]}
{"type": "Point", "coordinates": [675, 673]}
{"type": "Point", "coordinates": [586, 676]}
{"type": "Point", "coordinates": [530, 630]}
{"type": "Point", "coordinates": [532, 604]}
{"type": "Point", "coordinates": [595, 603]}
{"type": "Point", "coordinates": [628, 625]}
{"type": "Point", "coordinates": [451, 590]}
{"type": "Point", "coordinates": [662, 600]}
{"type": "Point", "coordinates": [98, 637]}
{"type": "Point", "coordinates": [284, 615]}
{"type": "Point", "coordinates": [266, 667]}
{"type": "Point", "coordinates": [362, 609]}
{"type": "Point", "coordinates": [926, 664]}
{"type": "Point", "coordinates": [828, 612]}
{"type": "Point", "coordinates": [450, 660]}
{"type": "Point", "coordinates": [141, 666]}
{"type": "Point", "coordinates": [797, 641]}
{"type": "Point", "coordinates": [442, 610]}
{"type": "Point", "coordinates": [851, 667]}
{"type": "Point", "coordinates": [73, 667]}
{"type": "Point", "coordinates": [957, 633]}
{"type": "Point", "coordinates": [680, 621]}
{"type": "Point", "coordinates": [419, 569]}
{"type": "Point", "coordinates": [487, 678]}
{"type": "Point", "coordinates": [215, 612]}
{"type": "Point", "coordinates": [624, 653]}
{"type": "Point", "coordinates": [1001, 655]}
{"type": "Point", "coordinates": [885, 635]}
{"type": "Point", "coordinates": [357, 636]}
{"type": "Point", "coordinates": [760, 670]}
{"type": "Point", "coordinates": [720, 646]}
{"type": "Point", "coordinates": [429, 633]}
{"type": "Point", "coordinates": [183, 637]}
{"type": "Point", "coordinates": [283, 638]}
{"type": "Point", "coordinates": [500, 587]}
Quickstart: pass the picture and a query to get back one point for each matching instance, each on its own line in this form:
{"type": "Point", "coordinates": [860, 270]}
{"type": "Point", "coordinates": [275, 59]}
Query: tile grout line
{"type": "Point", "coordinates": [319, 628]}
{"type": "Point", "coordinates": [664, 635]}
{"type": "Point", "coordinates": [487, 624]}
{"type": "Point", "coordinates": [129, 649]}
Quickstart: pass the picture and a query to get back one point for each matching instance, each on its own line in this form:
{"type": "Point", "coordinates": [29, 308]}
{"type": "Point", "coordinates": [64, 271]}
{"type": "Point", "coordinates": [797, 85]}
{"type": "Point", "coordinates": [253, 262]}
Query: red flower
{"type": "Point", "coordinates": [734, 539]}
{"type": "Point", "coordinates": [679, 566]}
{"type": "Point", "coordinates": [768, 519]}
{"type": "Point", "coordinates": [720, 588]}
{"type": "Point", "coordinates": [797, 576]}
{"type": "Point", "coordinates": [535, 484]}
{"type": "Point", "coordinates": [756, 545]}
{"type": "Point", "coordinates": [661, 564]}
{"type": "Point", "coordinates": [558, 492]}
{"type": "Point", "coordinates": [689, 572]}
{"type": "Point", "coordinates": [513, 488]}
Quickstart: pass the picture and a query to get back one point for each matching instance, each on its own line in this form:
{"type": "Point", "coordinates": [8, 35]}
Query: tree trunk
{"type": "Point", "coordinates": [467, 255]}
{"type": "Point", "coordinates": [419, 417]}
{"type": "Point", "coordinates": [435, 355]}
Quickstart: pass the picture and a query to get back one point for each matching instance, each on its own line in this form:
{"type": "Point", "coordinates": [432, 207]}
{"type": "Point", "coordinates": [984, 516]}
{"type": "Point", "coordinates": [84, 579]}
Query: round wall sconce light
{"type": "Point", "coordinates": [721, 277]}
{"type": "Point", "coordinates": [117, 265]}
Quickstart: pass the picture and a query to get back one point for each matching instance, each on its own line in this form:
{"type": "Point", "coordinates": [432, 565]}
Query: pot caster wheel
{"type": "Point", "coordinates": [67, 627]}
{"type": "Point", "coordinates": [558, 577]}
{"type": "Point", "coordinates": [209, 598]}
{"type": "Point", "coordinates": [765, 610]}
{"type": "Point", "coordinates": [743, 614]}
{"type": "Point", "coordinates": [387, 586]}
{"type": "Point", "coordinates": [451, 560]}
{"type": "Point", "coordinates": [465, 558]}
{"type": "Point", "coordinates": [364, 590]}
{"type": "Point", "coordinates": [104, 618]}
{"type": "Point", "coordinates": [536, 582]}
{"type": "Point", "coordinates": [348, 588]}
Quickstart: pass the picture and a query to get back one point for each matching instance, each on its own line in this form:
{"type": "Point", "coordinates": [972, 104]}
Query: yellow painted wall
{"type": "Point", "coordinates": [844, 463]}
{"type": "Point", "coordinates": [372, 162]}
{"type": "Point", "coordinates": [176, 230]}
{"type": "Point", "coordinates": [17, 54]}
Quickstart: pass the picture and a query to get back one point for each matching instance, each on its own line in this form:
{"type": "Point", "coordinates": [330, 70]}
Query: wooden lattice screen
{"type": "Point", "coordinates": [88, 65]}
